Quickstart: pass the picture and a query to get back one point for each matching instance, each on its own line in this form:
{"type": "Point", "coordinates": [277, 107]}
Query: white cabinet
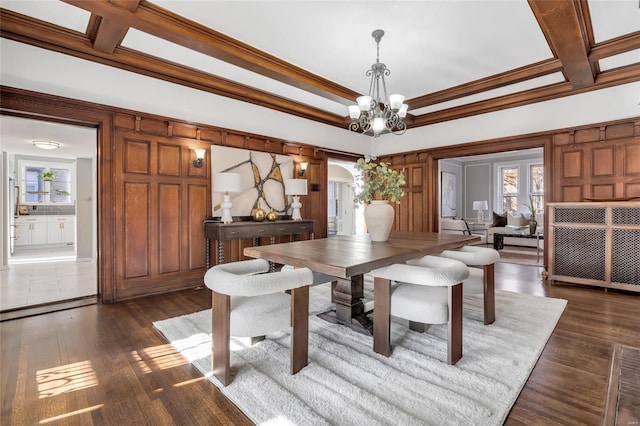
{"type": "Point", "coordinates": [60, 229]}
{"type": "Point", "coordinates": [32, 230]}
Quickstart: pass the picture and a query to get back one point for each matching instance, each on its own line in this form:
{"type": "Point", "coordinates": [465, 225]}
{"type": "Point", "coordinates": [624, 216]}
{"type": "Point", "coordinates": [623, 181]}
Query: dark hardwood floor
{"type": "Point", "coordinates": [106, 364]}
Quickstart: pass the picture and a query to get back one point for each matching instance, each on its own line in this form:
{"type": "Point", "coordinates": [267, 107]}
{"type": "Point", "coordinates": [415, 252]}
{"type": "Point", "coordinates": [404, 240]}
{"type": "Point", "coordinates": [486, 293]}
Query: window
{"type": "Point", "coordinates": [60, 186]}
{"type": "Point", "coordinates": [38, 190]}
{"type": "Point", "coordinates": [536, 186]}
{"type": "Point", "coordinates": [509, 189]}
{"type": "Point", "coordinates": [33, 184]}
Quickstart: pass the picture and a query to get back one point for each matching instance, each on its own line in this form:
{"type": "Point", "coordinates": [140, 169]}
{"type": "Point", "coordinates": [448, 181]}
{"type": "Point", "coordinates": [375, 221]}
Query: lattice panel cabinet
{"type": "Point", "coordinates": [595, 243]}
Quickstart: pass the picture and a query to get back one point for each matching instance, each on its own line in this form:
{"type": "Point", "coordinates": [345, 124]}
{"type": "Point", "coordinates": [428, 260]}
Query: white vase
{"type": "Point", "coordinates": [379, 218]}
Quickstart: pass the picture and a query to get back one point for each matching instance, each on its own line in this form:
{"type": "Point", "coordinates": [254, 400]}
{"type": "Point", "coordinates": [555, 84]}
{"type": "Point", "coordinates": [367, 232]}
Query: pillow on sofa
{"type": "Point", "coordinates": [499, 220]}
{"type": "Point", "coordinates": [517, 220]}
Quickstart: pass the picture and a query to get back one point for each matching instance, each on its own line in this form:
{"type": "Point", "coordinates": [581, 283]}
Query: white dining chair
{"type": "Point", "coordinates": [248, 302]}
{"type": "Point", "coordinates": [430, 293]}
{"type": "Point", "coordinates": [481, 262]}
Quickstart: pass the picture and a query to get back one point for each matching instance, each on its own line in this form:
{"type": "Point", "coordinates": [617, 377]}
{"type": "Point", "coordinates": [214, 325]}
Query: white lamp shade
{"type": "Point", "coordinates": [364, 103]}
{"type": "Point", "coordinates": [377, 125]}
{"type": "Point", "coordinates": [395, 101]}
{"type": "Point", "coordinates": [199, 153]}
{"type": "Point", "coordinates": [227, 182]}
{"type": "Point", "coordinates": [295, 187]}
{"type": "Point", "coordinates": [480, 205]}
{"type": "Point", "coordinates": [403, 111]}
{"type": "Point", "coordinates": [354, 111]}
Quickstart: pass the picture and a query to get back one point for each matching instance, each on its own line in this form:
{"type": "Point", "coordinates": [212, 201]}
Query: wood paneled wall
{"type": "Point", "coordinates": [162, 200]}
{"type": "Point", "coordinates": [599, 162]}
{"type": "Point", "coordinates": [151, 199]}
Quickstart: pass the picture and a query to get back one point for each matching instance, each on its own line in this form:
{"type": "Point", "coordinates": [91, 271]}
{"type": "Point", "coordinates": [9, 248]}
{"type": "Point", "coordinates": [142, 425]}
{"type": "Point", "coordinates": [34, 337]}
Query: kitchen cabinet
{"type": "Point", "coordinates": [36, 230]}
{"type": "Point", "coordinates": [60, 229]}
{"type": "Point", "coordinates": [30, 231]}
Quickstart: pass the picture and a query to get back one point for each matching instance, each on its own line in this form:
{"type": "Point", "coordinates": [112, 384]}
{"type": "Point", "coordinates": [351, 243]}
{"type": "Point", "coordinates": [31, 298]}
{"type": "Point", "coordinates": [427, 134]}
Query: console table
{"type": "Point", "coordinates": [216, 230]}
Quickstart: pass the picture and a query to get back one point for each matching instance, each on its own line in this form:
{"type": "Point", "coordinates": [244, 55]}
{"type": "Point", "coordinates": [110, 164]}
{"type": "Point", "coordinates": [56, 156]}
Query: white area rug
{"type": "Point", "coordinates": [346, 383]}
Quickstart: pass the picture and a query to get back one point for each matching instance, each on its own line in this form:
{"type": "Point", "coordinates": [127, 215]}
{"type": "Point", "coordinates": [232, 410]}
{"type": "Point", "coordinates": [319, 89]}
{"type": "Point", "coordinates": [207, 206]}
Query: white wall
{"type": "Point", "coordinates": [85, 222]}
{"type": "Point", "coordinates": [4, 213]}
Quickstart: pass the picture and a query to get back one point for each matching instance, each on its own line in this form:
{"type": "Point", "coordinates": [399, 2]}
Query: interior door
{"type": "Point", "coordinates": [345, 222]}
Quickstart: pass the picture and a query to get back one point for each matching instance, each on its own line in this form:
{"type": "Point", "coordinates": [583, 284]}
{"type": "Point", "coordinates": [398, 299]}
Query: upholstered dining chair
{"type": "Point", "coordinates": [481, 262]}
{"type": "Point", "coordinates": [249, 302]}
{"type": "Point", "coordinates": [318, 279]}
{"type": "Point", "coordinates": [426, 292]}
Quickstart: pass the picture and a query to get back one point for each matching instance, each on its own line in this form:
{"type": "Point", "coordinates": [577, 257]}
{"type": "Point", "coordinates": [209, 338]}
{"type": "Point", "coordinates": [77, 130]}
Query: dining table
{"type": "Point", "coordinates": [347, 258]}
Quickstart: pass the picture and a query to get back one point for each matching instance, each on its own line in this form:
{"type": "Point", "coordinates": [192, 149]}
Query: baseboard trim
{"type": "Point", "coordinates": [45, 308]}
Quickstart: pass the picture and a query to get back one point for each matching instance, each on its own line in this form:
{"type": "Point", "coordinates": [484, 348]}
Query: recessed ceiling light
{"type": "Point", "coordinates": [46, 144]}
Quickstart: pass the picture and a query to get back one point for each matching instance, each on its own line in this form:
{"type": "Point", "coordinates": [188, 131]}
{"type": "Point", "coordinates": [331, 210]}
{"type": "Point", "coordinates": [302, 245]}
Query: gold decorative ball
{"type": "Point", "coordinates": [258, 214]}
{"type": "Point", "coordinates": [271, 216]}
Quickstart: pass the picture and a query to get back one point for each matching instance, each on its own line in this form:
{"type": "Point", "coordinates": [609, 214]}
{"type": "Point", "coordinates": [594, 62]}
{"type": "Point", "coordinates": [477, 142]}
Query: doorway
{"type": "Point", "coordinates": [49, 229]}
{"type": "Point", "coordinates": [343, 216]}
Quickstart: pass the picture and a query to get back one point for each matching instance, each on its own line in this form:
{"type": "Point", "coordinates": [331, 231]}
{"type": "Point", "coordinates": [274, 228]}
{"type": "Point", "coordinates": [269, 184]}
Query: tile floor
{"type": "Point", "coordinates": [35, 277]}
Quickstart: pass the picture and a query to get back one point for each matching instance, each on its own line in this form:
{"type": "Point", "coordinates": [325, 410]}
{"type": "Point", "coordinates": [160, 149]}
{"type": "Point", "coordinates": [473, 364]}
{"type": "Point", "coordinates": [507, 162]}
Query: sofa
{"type": "Point", "coordinates": [515, 223]}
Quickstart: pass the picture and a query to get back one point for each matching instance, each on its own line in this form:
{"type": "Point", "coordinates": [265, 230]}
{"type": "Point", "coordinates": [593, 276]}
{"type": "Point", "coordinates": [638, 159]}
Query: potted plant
{"type": "Point", "coordinates": [381, 185]}
{"type": "Point", "coordinates": [48, 176]}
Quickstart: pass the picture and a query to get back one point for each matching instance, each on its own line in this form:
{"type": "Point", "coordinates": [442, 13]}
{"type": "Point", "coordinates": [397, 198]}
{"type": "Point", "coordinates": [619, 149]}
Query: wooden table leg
{"type": "Point", "coordinates": [300, 333]}
{"type": "Point", "coordinates": [489, 294]}
{"type": "Point", "coordinates": [454, 347]}
{"type": "Point", "coordinates": [382, 316]}
{"type": "Point", "coordinates": [347, 295]}
{"type": "Point", "coordinates": [220, 337]}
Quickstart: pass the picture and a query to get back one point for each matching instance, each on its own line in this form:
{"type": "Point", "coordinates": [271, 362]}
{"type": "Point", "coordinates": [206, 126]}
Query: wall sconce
{"type": "Point", "coordinates": [303, 168]}
{"type": "Point", "coordinates": [199, 161]}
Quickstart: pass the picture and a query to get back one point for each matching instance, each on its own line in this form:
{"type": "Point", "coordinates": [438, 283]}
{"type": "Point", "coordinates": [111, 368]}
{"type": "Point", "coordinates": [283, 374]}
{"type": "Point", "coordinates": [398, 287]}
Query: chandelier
{"type": "Point", "coordinates": [373, 113]}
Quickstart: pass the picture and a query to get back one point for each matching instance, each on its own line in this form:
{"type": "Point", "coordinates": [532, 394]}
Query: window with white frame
{"type": "Point", "coordinates": [509, 188]}
{"type": "Point", "coordinates": [46, 183]}
{"type": "Point", "coordinates": [536, 186]}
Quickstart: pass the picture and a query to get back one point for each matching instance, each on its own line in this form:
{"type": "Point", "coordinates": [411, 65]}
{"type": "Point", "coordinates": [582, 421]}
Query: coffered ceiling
{"type": "Point", "coordinates": [292, 64]}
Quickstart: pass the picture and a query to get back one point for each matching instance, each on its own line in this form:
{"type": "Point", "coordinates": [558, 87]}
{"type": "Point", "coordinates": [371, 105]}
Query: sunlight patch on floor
{"type": "Point", "coordinates": [65, 378]}
{"type": "Point", "coordinates": [71, 414]}
{"type": "Point", "coordinates": [158, 358]}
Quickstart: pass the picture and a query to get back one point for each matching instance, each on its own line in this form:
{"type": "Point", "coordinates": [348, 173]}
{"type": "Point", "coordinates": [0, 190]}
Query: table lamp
{"type": "Point", "coordinates": [296, 188]}
{"type": "Point", "coordinates": [226, 183]}
{"type": "Point", "coordinates": [481, 206]}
